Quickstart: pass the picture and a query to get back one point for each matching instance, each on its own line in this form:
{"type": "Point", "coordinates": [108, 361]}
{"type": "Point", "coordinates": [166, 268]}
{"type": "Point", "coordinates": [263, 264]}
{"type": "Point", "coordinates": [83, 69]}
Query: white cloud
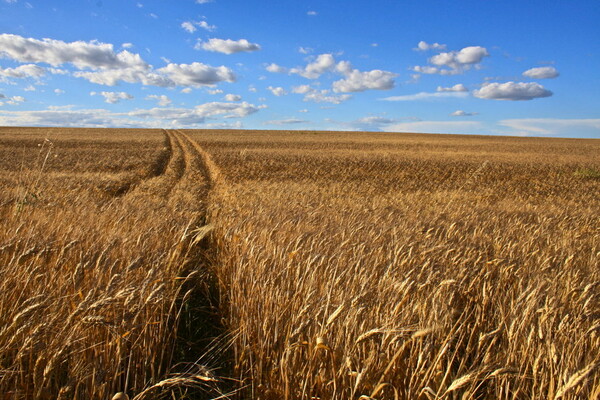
{"type": "Point", "coordinates": [107, 67]}
{"type": "Point", "coordinates": [426, 96]}
{"type": "Point", "coordinates": [13, 101]}
{"type": "Point", "coordinates": [162, 99]}
{"type": "Point", "coordinates": [59, 91]}
{"type": "Point", "coordinates": [512, 91]}
{"type": "Point", "coordinates": [370, 123]}
{"type": "Point", "coordinates": [357, 81]}
{"type": "Point", "coordinates": [541, 73]}
{"type": "Point", "coordinates": [320, 96]}
{"type": "Point", "coordinates": [286, 121]}
{"type": "Point", "coordinates": [152, 15]}
{"type": "Point", "coordinates": [58, 71]}
{"type": "Point", "coordinates": [312, 13]}
{"type": "Point", "coordinates": [227, 46]}
{"type": "Point", "coordinates": [304, 110]}
{"type": "Point", "coordinates": [127, 45]}
{"type": "Point", "coordinates": [111, 77]}
{"type": "Point", "coordinates": [190, 26]}
{"type": "Point", "coordinates": [252, 89]}
{"type": "Point", "coordinates": [424, 46]}
{"type": "Point", "coordinates": [454, 62]}
{"type": "Point", "coordinates": [233, 97]}
{"type": "Point", "coordinates": [276, 68]}
{"type": "Point", "coordinates": [375, 120]}
{"type": "Point", "coordinates": [29, 88]}
{"type": "Point", "coordinates": [305, 50]}
{"type": "Point", "coordinates": [459, 87]}
{"type": "Point", "coordinates": [277, 91]}
{"type": "Point", "coordinates": [203, 1]}
{"type": "Point", "coordinates": [23, 71]}
{"type": "Point", "coordinates": [196, 74]}
{"type": "Point", "coordinates": [461, 113]}
{"type": "Point", "coordinates": [302, 89]}
{"type": "Point", "coordinates": [426, 69]}
{"type": "Point", "coordinates": [150, 118]}
{"type": "Point", "coordinates": [214, 91]}
{"type": "Point", "coordinates": [464, 127]}
{"type": "Point", "coordinates": [93, 55]}
{"type": "Point", "coordinates": [11, 1]}
{"type": "Point", "coordinates": [354, 81]}
{"type": "Point", "coordinates": [313, 70]}
{"type": "Point", "coordinates": [186, 90]}
{"type": "Point", "coordinates": [113, 97]}
{"type": "Point", "coordinates": [553, 127]}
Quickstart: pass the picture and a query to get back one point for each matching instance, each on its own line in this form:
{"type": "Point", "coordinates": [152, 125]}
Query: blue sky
{"type": "Point", "coordinates": [526, 68]}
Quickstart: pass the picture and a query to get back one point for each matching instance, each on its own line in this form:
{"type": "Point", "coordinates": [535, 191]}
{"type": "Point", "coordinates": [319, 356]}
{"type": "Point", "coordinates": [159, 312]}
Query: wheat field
{"type": "Point", "coordinates": [298, 265]}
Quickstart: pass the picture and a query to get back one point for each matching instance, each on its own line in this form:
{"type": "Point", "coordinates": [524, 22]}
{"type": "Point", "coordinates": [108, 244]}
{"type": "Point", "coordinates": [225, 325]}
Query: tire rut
{"type": "Point", "coordinates": [163, 184]}
{"type": "Point", "coordinates": [201, 334]}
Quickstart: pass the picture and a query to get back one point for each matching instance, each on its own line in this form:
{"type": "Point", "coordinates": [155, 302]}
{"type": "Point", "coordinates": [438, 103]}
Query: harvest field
{"type": "Point", "coordinates": [298, 265]}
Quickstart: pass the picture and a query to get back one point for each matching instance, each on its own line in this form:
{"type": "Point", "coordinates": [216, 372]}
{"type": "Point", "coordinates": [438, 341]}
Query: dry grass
{"type": "Point", "coordinates": [409, 266]}
{"type": "Point", "coordinates": [349, 265]}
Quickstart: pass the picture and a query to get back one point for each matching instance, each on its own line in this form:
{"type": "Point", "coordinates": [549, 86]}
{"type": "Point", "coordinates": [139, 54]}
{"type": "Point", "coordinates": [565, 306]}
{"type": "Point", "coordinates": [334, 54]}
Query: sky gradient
{"type": "Point", "coordinates": [476, 67]}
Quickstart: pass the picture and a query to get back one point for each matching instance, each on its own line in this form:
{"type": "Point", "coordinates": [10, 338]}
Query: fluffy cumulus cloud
{"type": "Point", "coordinates": [162, 100]}
{"type": "Point", "coordinates": [456, 88]}
{"type": "Point", "coordinates": [512, 91]}
{"type": "Point", "coordinates": [553, 127]}
{"type": "Point", "coordinates": [227, 46]}
{"type": "Point", "coordinates": [22, 71]}
{"type": "Point", "coordinates": [320, 96]}
{"type": "Point", "coordinates": [99, 63]}
{"type": "Point", "coordinates": [112, 77]}
{"type": "Point", "coordinates": [196, 74]}
{"type": "Point", "coordinates": [113, 97]}
{"type": "Point", "coordinates": [424, 46]}
{"type": "Point", "coordinates": [277, 91]}
{"type": "Point", "coordinates": [313, 70]}
{"type": "Point", "coordinates": [233, 97]}
{"type": "Point", "coordinates": [92, 55]}
{"type": "Point", "coordinates": [12, 101]}
{"type": "Point", "coordinates": [461, 113]}
{"type": "Point", "coordinates": [276, 68]}
{"type": "Point", "coordinates": [354, 80]}
{"type": "Point", "coordinates": [454, 62]}
{"type": "Point", "coordinates": [541, 73]}
{"type": "Point", "coordinates": [357, 81]}
{"type": "Point", "coordinates": [192, 26]}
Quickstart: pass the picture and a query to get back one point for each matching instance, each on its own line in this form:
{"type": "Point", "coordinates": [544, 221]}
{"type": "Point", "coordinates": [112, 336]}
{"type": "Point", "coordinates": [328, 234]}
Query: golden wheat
{"type": "Point", "coordinates": [408, 266]}
{"type": "Point", "coordinates": [346, 265]}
